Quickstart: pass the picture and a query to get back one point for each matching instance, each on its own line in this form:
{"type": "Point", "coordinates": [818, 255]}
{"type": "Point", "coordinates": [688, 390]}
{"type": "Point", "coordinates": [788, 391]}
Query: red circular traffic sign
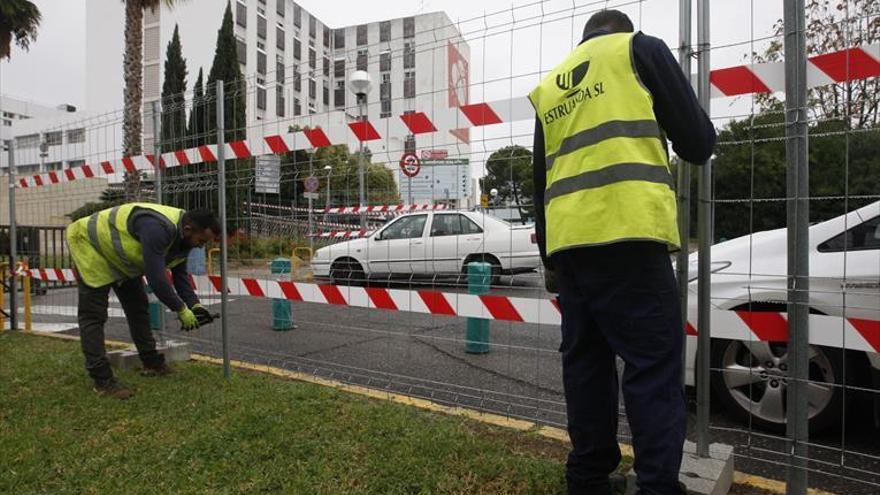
{"type": "Point", "coordinates": [410, 165]}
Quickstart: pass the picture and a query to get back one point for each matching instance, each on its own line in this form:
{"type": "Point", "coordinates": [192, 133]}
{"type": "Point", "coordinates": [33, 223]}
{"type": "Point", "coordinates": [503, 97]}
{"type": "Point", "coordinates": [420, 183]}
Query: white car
{"type": "Point", "coordinates": [430, 244]}
{"type": "Point", "coordinates": [749, 274]}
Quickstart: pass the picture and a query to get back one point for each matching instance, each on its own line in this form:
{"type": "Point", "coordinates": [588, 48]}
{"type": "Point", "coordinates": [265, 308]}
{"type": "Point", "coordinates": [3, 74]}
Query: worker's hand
{"type": "Point", "coordinates": [202, 314]}
{"type": "Point", "coordinates": [187, 319]}
{"type": "Point", "coordinates": [550, 281]}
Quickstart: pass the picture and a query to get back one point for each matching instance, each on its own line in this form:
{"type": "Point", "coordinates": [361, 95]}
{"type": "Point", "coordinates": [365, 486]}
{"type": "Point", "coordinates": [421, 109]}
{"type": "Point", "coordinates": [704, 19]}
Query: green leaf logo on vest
{"type": "Point", "coordinates": [569, 81]}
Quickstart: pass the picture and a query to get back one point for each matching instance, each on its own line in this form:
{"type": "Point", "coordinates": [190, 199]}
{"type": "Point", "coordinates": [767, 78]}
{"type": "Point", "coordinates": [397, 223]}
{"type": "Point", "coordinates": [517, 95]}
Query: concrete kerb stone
{"type": "Point", "coordinates": [127, 359]}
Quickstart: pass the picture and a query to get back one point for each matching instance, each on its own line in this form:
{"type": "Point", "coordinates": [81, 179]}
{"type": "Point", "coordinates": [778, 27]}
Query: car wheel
{"type": "Point", "coordinates": [347, 272]}
{"type": "Point", "coordinates": [751, 379]}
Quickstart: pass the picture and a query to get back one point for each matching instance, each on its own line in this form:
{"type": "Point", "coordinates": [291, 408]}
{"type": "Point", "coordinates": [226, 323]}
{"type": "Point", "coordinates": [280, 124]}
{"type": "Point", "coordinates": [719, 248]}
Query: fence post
{"type": "Point", "coordinates": [13, 241]}
{"type": "Point", "coordinates": [798, 191]}
{"type": "Point", "coordinates": [704, 235]}
{"type": "Point", "coordinates": [683, 184]}
{"type": "Point", "coordinates": [156, 308]}
{"type": "Point", "coordinates": [221, 200]}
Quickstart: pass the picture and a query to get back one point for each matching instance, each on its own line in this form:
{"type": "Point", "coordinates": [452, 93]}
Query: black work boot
{"type": "Point", "coordinates": [156, 369]}
{"type": "Point", "coordinates": [112, 388]}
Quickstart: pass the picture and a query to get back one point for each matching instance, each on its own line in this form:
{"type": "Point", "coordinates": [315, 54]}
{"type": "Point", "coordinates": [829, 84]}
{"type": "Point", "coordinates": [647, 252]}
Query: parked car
{"type": "Point", "coordinates": [749, 274]}
{"type": "Point", "coordinates": [432, 244]}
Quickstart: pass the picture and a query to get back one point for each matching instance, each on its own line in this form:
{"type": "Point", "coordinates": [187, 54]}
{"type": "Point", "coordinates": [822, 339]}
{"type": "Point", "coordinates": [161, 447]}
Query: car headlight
{"type": "Point", "coordinates": [714, 267]}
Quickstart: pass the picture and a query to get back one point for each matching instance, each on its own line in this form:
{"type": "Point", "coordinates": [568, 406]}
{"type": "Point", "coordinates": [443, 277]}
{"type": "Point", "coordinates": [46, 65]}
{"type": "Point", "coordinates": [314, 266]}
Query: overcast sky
{"type": "Point", "coordinates": [508, 54]}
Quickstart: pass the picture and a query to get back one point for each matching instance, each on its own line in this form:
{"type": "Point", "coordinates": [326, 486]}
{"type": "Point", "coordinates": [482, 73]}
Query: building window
{"type": "Point", "coordinates": [326, 94]}
{"type": "Point", "coordinates": [327, 66]}
{"type": "Point", "coordinates": [261, 27]}
{"type": "Point", "coordinates": [54, 166]}
{"type": "Point", "coordinates": [313, 89]}
{"type": "Point", "coordinates": [29, 141]}
{"type": "Point", "coordinates": [241, 50]}
{"type": "Point", "coordinates": [261, 63]}
{"type": "Point", "coordinates": [313, 58]}
{"type": "Point", "coordinates": [339, 94]}
{"type": "Point", "coordinates": [362, 35]}
{"type": "Point", "coordinates": [385, 61]}
{"type": "Point", "coordinates": [53, 138]}
{"type": "Point", "coordinates": [76, 136]}
{"type": "Point", "coordinates": [279, 100]}
{"type": "Point", "coordinates": [385, 96]}
{"type": "Point", "coordinates": [326, 37]}
{"type": "Point", "coordinates": [279, 38]}
{"type": "Point", "coordinates": [362, 59]}
{"type": "Point", "coordinates": [279, 70]}
{"type": "Point", "coordinates": [409, 144]}
{"type": "Point", "coordinates": [313, 26]}
{"type": "Point", "coordinates": [297, 16]}
{"type": "Point", "coordinates": [297, 81]}
{"type": "Point", "coordinates": [409, 27]}
{"type": "Point", "coordinates": [297, 49]}
{"type": "Point", "coordinates": [339, 38]}
{"type": "Point", "coordinates": [385, 31]}
{"type": "Point", "coordinates": [279, 7]}
{"type": "Point", "coordinates": [241, 14]}
{"type": "Point", "coordinates": [339, 67]}
{"type": "Point", "coordinates": [261, 98]}
{"type": "Point", "coordinates": [409, 55]}
{"type": "Point", "coordinates": [312, 109]}
{"type": "Point", "coordinates": [297, 107]}
{"type": "Point", "coordinates": [409, 84]}
{"type": "Point", "coordinates": [385, 112]}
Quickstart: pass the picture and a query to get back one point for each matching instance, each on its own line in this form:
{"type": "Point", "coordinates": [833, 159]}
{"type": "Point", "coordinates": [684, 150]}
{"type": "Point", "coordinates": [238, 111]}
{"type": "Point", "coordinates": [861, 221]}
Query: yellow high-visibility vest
{"type": "Point", "coordinates": [608, 176]}
{"type": "Point", "coordinates": [103, 248]}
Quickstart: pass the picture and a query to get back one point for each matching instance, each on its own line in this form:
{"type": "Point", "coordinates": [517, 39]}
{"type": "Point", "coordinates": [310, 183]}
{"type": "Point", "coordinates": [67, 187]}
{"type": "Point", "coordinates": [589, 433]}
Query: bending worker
{"type": "Point", "coordinates": [115, 248]}
{"type": "Point", "coordinates": [606, 222]}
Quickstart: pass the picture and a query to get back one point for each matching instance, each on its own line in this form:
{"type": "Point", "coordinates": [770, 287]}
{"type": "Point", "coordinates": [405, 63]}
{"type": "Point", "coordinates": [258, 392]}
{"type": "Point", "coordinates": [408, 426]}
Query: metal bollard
{"type": "Point", "coordinates": [479, 282]}
{"type": "Point", "coordinates": [155, 310]}
{"type": "Point", "coordinates": [281, 313]}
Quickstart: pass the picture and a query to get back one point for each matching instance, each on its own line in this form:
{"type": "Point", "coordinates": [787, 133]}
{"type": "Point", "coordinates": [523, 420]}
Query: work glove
{"type": "Point", "coordinates": [202, 314]}
{"type": "Point", "coordinates": [187, 319]}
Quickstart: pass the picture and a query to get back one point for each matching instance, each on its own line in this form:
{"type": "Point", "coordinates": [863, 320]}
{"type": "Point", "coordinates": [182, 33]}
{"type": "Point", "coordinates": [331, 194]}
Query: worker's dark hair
{"type": "Point", "coordinates": [202, 218]}
{"type": "Point", "coordinates": [613, 21]}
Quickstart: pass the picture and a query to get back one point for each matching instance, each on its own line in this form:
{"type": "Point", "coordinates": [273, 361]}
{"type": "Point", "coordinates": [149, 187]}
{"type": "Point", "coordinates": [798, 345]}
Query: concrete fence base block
{"type": "Point", "coordinates": [127, 359]}
{"type": "Point", "coordinates": [710, 476]}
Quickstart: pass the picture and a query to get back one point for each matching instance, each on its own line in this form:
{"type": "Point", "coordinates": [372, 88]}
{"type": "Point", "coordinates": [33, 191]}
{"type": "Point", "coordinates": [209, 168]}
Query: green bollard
{"type": "Point", "coordinates": [155, 310]}
{"type": "Point", "coordinates": [281, 314]}
{"type": "Point", "coordinates": [479, 282]}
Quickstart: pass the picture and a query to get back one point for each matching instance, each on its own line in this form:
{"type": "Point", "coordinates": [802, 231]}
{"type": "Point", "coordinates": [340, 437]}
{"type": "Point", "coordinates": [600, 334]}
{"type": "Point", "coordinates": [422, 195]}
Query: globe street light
{"type": "Point", "coordinates": [360, 83]}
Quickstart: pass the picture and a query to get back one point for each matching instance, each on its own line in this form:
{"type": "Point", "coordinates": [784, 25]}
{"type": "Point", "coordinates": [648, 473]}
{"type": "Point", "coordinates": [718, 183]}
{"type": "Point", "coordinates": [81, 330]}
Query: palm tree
{"type": "Point", "coordinates": [133, 73]}
{"type": "Point", "coordinates": [18, 18]}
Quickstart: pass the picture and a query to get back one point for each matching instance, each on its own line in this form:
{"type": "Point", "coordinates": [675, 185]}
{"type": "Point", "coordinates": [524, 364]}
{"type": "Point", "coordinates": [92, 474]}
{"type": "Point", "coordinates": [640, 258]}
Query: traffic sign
{"type": "Point", "coordinates": [311, 195]}
{"type": "Point", "coordinates": [311, 183]}
{"type": "Point", "coordinates": [410, 165]}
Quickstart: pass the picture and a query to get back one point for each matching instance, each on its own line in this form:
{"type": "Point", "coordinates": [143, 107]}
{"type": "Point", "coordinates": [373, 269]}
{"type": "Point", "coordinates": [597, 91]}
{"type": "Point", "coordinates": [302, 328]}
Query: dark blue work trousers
{"type": "Point", "coordinates": [622, 300]}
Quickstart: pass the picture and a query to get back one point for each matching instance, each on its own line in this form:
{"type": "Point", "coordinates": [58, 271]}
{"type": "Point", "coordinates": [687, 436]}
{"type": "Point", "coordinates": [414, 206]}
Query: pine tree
{"type": "Point", "coordinates": [173, 129]}
{"type": "Point", "coordinates": [196, 129]}
{"type": "Point", "coordinates": [225, 68]}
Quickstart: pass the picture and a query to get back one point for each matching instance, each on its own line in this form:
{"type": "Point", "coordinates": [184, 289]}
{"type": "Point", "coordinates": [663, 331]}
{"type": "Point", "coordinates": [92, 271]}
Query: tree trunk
{"type": "Point", "coordinates": [134, 79]}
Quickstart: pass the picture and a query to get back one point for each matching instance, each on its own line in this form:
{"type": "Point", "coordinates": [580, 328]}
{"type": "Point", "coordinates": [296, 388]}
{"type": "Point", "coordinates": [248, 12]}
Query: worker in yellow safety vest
{"type": "Point", "coordinates": [605, 223]}
{"type": "Point", "coordinates": [115, 248]}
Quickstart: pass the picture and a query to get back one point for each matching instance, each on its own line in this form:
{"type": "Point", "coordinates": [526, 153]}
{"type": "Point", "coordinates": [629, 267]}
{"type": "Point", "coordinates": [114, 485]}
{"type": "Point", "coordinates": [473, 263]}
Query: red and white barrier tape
{"type": "Point", "coordinates": [832, 331]}
{"type": "Point", "coordinates": [354, 210]}
{"type": "Point", "coordinates": [344, 234]}
{"type": "Point", "coordinates": [846, 65]}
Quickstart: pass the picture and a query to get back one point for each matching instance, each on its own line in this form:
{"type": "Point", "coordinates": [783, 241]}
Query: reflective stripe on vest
{"type": "Point", "coordinates": [607, 167]}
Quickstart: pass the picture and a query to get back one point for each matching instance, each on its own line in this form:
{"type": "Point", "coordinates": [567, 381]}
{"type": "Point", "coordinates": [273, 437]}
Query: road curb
{"type": "Point", "coordinates": [550, 432]}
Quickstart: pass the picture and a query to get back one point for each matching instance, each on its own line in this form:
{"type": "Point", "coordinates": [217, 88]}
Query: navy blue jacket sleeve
{"type": "Point", "coordinates": [539, 175]}
{"type": "Point", "coordinates": [155, 238]}
{"type": "Point", "coordinates": [184, 289]}
{"type": "Point", "coordinates": [675, 105]}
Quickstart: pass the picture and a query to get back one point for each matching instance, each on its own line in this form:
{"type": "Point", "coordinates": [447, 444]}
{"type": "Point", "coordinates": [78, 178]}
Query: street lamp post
{"type": "Point", "coordinates": [329, 169]}
{"type": "Point", "coordinates": [360, 84]}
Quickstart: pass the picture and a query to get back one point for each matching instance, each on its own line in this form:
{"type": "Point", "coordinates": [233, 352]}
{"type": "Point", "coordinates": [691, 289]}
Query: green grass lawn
{"type": "Point", "coordinates": [195, 432]}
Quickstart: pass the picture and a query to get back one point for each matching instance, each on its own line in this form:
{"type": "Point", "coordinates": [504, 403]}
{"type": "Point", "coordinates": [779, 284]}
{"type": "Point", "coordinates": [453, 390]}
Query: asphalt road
{"type": "Point", "coordinates": [424, 356]}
